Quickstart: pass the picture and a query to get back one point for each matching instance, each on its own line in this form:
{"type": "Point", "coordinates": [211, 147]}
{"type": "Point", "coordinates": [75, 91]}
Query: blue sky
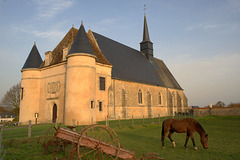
{"type": "Point", "coordinates": [199, 40]}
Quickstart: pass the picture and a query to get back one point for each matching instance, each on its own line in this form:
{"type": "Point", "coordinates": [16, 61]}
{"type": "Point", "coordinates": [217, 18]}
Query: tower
{"type": "Point", "coordinates": [30, 86]}
{"type": "Point", "coordinates": [146, 46]}
{"type": "Point", "coordinates": [80, 94]}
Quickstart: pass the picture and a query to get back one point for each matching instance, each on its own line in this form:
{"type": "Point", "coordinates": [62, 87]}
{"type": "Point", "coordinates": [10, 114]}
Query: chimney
{"type": "Point", "coordinates": [48, 58]}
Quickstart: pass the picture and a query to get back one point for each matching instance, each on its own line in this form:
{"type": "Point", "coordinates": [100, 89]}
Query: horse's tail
{"type": "Point", "coordinates": [163, 129]}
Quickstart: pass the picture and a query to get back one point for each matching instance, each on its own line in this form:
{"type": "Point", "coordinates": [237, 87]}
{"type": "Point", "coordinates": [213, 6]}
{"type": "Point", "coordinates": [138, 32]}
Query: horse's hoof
{"type": "Point", "coordinates": [174, 144]}
{"type": "Point", "coordinates": [186, 149]}
{"type": "Point", "coordinates": [196, 148]}
{"type": "Point", "coordinates": [163, 146]}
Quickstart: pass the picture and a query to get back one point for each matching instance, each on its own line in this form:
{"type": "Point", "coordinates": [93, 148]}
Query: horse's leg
{"type": "Point", "coordinates": [163, 137]}
{"type": "Point", "coordinates": [194, 146]}
{"type": "Point", "coordinates": [187, 137]}
{"type": "Point", "coordinates": [170, 137]}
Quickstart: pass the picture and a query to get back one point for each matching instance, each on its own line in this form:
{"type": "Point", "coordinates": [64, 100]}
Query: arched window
{"type": "Point", "coordinates": [159, 98]}
{"type": "Point", "coordinates": [123, 98]}
{"type": "Point", "coordinates": [140, 97]}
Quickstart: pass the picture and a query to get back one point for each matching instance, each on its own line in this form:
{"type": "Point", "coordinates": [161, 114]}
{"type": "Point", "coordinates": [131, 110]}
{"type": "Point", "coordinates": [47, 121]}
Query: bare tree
{"type": "Point", "coordinates": [11, 100]}
{"type": "Point", "coordinates": [220, 104]}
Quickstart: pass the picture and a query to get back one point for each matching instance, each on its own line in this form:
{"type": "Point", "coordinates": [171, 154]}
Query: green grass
{"type": "Point", "coordinates": [223, 141]}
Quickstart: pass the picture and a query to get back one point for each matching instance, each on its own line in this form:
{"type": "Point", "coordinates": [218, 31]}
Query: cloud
{"type": "Point", "coordinates": [205, 26]}
{"type": "Point", "coordinates": [39, 34]}
{"type": "Point", "coordinates": [48, 9]}
{"type": "Point", "coordinates": [216, 27]}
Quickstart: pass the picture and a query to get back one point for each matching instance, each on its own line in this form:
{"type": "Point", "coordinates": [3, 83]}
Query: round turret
{"type": "Point", "coordinates": [80, 92]}
{"type": "Point", "coordinates": [30, 87]}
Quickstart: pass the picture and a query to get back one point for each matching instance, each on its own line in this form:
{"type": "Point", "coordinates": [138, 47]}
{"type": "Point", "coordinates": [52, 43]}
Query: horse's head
{"type": "Point", "coordinates": [204, 141]}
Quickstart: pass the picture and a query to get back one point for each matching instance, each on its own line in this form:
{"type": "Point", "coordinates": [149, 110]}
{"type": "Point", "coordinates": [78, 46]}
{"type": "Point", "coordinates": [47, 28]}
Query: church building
{"type": "Point", "coordinates": [89, 77]}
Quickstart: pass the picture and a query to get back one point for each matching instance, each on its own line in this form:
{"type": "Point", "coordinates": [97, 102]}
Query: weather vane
{"type": "Point", "coordinates": [145, 8]}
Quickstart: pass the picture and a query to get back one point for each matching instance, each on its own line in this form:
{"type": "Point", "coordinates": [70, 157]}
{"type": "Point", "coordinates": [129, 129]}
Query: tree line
{"type": "Point", "coordinates": [11, 101]}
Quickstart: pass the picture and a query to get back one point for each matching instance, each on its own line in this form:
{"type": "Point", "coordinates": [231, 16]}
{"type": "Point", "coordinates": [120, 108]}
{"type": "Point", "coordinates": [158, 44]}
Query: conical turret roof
{"type": "Point", "coordinates": [81, 43]}
{"type": "Point", "coordinates": [34, 59]}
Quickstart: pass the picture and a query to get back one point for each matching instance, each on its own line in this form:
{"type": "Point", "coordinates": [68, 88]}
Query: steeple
{"type": "Point", "coordinates": [146, 46]}
{"type": "Point", "coordinates": [145, 30]}
{"type": "Point", "coordinates": [81, 43]}
{"type": "Point", "coordinates": [34, 59]}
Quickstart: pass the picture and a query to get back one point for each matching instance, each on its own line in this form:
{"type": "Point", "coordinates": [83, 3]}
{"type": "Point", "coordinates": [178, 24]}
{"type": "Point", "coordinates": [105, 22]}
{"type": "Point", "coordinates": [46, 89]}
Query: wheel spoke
{"type": "Point", "coordinates": [106, 136]}
{"type": "Point", "coordinates": [94, 155]}
{"type": "Point", "coordinates": [111, 142]}
{"type": "Point", "coordinates": [88, 152]}
{"type": "Point", "coordinates": [100, 133]}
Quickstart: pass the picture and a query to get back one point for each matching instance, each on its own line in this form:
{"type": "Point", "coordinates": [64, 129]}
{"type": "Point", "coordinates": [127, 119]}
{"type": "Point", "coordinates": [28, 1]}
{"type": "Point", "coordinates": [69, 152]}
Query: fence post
{"type": "Point", "coordinates": [132, 121]}
{"type": "Point", "coordinates": [29, 129]}
{"type": "Point", "coordinates": [74, 126]}
{"type": "Point", "coordinates": [159, 121]}
{"type": "Point", "coordinates": [2, 130]}
{"type": "Point", "coordinates": [143, 120]}
{"type": "Point", "coordinates": [119, 122]}
{"type": "Point", "coordinates": [106, 121]}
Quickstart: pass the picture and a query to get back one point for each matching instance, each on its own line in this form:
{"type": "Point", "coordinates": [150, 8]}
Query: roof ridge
{"type": "Point", "coordinates": [119, 43]}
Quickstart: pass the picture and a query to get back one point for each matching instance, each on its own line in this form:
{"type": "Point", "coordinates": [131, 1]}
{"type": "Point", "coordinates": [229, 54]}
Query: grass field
{"type": "Point", "coordinates": [224, 141]}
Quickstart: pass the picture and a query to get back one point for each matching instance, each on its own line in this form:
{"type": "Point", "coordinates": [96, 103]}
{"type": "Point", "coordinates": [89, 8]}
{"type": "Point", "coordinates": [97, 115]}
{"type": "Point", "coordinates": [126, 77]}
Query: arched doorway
{"type": "Point", "coordinates": [54, 113]}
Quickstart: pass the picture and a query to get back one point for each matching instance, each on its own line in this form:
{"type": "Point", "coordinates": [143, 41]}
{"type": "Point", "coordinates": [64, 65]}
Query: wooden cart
{"type": "Point", "coordinates": [92, 142]}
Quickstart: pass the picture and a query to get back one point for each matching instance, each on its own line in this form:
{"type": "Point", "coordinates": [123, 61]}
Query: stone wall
{"type": "Point", "coordinates": [124, 100]}
{"type": "Point", "coordinates": [218, 111]}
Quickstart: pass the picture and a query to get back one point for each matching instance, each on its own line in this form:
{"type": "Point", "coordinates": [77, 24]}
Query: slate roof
{"type": "Point", "coordinates": [81, 43]}
{"type": "Point", "coordinates": [34, 59]}
{"type": "Point", "coordinates": [66, 42]}
{"type": "Point", "coordinates": [132, 65]}
{"type": "Point", "coordinates": [127, 63]}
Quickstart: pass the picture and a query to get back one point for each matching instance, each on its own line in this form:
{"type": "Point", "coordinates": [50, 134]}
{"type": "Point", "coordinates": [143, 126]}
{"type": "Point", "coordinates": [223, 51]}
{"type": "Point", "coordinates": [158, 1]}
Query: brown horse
{"type": "Point", "coordinates": [187, 125]}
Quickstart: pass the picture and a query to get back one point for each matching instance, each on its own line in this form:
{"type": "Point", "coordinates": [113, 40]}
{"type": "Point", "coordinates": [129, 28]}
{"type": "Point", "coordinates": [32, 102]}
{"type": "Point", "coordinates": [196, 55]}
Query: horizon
{"type": "Point", "coordinates": [197, 40]}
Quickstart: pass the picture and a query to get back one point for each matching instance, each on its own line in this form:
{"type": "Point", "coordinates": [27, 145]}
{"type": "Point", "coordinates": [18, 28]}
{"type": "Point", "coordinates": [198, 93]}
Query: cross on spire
{"type": "Point", "coordinates": [145, 8]}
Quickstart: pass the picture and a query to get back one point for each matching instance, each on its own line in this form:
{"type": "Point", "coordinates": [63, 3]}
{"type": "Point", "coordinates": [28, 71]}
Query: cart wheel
{"type": "Point", "coordinates": [98, 142]}
{"type": "Point", "coordinates": [49, 139]}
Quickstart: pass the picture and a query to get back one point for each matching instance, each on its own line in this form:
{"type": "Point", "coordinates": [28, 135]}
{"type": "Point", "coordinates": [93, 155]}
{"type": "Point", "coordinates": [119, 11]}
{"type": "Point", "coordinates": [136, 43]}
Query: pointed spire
{"type": "Point", "coordinates": [146, 46]}
{"type": "Point", "coordinates": [34, 59]}
{"type": "Point", "coordinates": [81, 43]}
{"type": "Point", "coordinates": [145, 31]}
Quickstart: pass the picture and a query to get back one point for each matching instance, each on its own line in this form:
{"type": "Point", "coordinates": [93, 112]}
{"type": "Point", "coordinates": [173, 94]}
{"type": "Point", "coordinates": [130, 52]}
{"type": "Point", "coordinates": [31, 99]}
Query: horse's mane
{"type": "Point", "coordinates": [200, 127]}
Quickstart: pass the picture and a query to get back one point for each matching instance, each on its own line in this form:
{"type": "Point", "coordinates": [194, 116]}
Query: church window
{"type": "Point", "coordinates": [92, 104]}
{"type": "Point", "coordinates": [21, 93]}
{"type": "Point", "coordinates": [159, 98]}
{"type": "Point", "coordinates": [102, 83]}
{"type": "Point", "coordinates": [100, 106]}
{"type": "Point", "coordinates": [140, 97]}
